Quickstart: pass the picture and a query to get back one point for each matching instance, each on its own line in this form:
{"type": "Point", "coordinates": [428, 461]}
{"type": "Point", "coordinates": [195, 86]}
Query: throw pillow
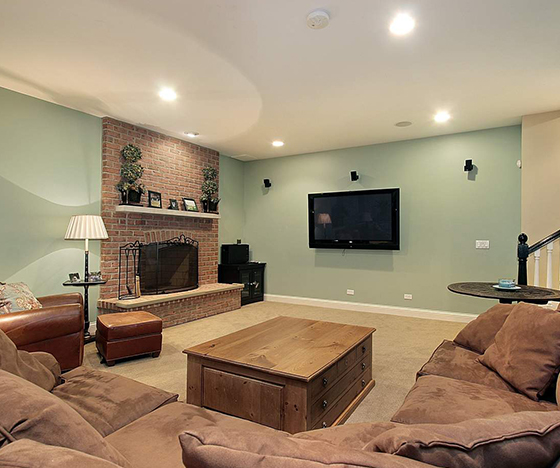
{"type": "Point", "coordinates": [16, 297]}
{"type": "Point", "coordinates": [212, 447]}
{"type": "Point", "coordinates": [519, 440]}
{"type": "Point", "coordinates": [29, 412]}
{"type": "Point", "coordinates": [42, 370]}
{"type": "Point", "coordinates": [479, 334]}
{"type": "Point", "coordinates": [30, 454]}
{"type": "Point", "coordinates": [526, 351]}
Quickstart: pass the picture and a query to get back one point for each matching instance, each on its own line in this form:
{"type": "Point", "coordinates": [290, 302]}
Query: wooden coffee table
{"type": "Point", "coordinates": [287, 373]}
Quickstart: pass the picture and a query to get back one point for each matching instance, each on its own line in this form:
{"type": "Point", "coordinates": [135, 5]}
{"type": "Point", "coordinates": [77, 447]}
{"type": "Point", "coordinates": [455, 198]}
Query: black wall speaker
{"type": "Point", "coordinates": [354, 176]}
{"type": "Point", "coordinates": [468, 165]}
{"type": "Point", "coordinates": [267, 183]}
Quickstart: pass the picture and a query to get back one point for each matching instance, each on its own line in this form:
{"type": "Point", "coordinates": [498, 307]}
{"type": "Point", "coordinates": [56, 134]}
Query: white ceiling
{"type": "Point", "coordinates": [250, 71]}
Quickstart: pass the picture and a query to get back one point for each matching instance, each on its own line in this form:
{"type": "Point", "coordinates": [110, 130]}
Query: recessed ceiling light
{"type": "Point", "coordinates": [402, 24]}
{"type": "Point", "coordinates": [404, 123]}
{"type": "Point", "coordinates": [442, 117]}
{"type": "Point", "coordinates": [277, 143]}
{"type": "Point", "coordinates": [167, 94]}
{"type": "Point", "coordinates": [191, 134]}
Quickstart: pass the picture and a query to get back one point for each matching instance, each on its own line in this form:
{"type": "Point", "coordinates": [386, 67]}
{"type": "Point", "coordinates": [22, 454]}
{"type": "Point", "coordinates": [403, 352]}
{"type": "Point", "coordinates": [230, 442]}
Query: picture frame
{"type": "Point", "coordinates": [190, 204]}
{"type": "Point", "coordinates": [173, 204]}
{"type": "Point", "coordinates": [154, 199]}
{"type": "Point", "coordinates": [74, 277]}
{"type": "Point", "coordinates": [95, 276]}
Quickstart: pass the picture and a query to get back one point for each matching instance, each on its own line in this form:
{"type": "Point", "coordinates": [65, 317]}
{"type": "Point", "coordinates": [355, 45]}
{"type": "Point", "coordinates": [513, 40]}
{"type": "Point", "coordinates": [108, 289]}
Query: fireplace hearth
{"type": "Point", "coordinates": [161, 267]}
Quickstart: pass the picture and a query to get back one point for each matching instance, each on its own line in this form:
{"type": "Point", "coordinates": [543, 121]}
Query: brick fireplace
{"type": "Point", "coordinates": [172, 167]}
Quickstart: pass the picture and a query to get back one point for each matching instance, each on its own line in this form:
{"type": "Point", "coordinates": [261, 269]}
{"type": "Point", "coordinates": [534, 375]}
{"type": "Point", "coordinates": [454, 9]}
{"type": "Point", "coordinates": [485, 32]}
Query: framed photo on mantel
{"type": "Point", "coordinates": [154, 199]}
{"type": "Point", "coordinates": [190, 204]}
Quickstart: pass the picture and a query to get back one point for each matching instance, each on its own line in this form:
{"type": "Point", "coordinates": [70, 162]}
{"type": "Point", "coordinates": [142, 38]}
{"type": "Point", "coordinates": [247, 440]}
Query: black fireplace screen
{"type": "Point", "coordinates": [159, 267]}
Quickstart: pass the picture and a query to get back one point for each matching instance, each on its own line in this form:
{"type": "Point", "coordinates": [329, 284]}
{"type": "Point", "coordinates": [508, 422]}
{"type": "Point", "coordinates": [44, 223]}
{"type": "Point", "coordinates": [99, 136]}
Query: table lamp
{"type": "Point", "coordinates": [86, 227]}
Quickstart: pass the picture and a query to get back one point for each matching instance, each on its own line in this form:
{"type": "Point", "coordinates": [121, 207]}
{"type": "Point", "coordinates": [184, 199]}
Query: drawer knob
{"type": "Point", "coordinates": [325, 403]}
{"type": "Point", "coordinates": [346, 362]}
{"type": "Point", "coordinates": [363, 365]}
{"type": "Point", "coordinates": [324, 424]}
{"type": "Point", "coordinates": [325, 382]}
{"type": "Point", "coordinates": [363, 349]}
{"type": "Point", "coordinates": [363, 383]}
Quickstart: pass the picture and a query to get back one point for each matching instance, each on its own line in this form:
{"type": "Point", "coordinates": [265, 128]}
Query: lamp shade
{"type": "Point", "coordinates": [86, 227]}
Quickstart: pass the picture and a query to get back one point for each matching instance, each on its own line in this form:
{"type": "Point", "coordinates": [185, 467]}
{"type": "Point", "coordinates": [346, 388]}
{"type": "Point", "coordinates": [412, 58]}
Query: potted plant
{"type": "Point", "coordinates": [209, 196]}
{"type": "Point", "coordinates": [129, 186]}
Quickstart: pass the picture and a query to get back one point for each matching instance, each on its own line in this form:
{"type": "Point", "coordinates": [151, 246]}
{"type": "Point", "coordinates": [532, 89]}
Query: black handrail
{"type": "Point", "coordinates": [547, 240]}
{"type": "Point", "coordinates": [524, 250]}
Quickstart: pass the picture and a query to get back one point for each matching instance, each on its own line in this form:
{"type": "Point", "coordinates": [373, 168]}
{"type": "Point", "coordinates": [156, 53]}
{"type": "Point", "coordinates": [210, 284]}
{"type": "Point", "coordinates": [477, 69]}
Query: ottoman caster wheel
{"type": "Point", "coordinates": [155, 355]}
{"type": "Point", "coordinates": [110, 363]}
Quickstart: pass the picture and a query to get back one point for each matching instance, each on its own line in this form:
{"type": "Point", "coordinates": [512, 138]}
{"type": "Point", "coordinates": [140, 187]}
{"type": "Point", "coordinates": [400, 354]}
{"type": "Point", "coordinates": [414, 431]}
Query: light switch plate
{"type": "Point", "coordinates": [482, 244]}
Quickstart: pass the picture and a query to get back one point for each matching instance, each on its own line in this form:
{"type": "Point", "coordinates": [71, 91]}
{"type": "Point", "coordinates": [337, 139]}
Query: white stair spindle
{"type": "Point", "coordinates": [537, 277]}
{"type": "Point", "coordinates": [549, 249]}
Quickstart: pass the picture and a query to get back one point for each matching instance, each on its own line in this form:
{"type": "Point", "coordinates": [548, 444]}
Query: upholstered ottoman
{"type": "Point", "coordinates": [128, 334]}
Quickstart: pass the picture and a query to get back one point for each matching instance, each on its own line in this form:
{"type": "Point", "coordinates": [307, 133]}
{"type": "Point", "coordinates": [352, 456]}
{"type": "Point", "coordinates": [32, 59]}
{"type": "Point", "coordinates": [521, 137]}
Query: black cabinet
{"type": "Point", "coordinates": [251, 275]}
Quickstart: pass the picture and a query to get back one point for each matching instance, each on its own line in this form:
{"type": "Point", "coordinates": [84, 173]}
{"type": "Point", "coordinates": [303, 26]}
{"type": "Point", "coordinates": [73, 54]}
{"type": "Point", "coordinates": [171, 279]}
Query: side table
{"type": "Point", "coordinates": [86, 285]}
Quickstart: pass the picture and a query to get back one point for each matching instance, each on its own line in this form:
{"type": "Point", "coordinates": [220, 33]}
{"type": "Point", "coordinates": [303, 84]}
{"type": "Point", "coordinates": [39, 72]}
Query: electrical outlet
{"type": "Point", "coordinates": [350, 292]}
{"type": "Point", "coordinates": [482, 244]}
{"type": "Point", "coordinates": [408, 297]}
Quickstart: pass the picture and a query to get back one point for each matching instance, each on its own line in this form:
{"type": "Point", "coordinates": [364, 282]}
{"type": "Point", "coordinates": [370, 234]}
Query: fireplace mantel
{"type": "Point", "coordinates": [165, 212]}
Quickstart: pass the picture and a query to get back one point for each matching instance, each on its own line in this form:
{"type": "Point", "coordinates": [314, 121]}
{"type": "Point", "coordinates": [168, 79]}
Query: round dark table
{"type": "Point", "coordinates": [531, 294]}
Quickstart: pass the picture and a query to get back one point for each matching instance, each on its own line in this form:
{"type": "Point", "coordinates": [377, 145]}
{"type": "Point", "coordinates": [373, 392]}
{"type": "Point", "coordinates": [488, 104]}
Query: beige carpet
{"type": "Point", "coordinates": [401, 346]}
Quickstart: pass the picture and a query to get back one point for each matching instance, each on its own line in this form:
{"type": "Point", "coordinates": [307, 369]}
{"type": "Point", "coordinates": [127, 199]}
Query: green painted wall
{"type": "Point", "coordinates": [231, 204]}
{"type": "Point", "coordinates": [50, 169]}
{"type": "Point", "coordinates": [442, 214]}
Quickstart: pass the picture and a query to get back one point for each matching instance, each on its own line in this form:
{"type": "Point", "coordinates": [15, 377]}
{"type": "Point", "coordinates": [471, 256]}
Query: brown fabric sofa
{"type": "Point", "coordinates": [459, 414]}
{"type": "Point", "coordinates": [57, 328]}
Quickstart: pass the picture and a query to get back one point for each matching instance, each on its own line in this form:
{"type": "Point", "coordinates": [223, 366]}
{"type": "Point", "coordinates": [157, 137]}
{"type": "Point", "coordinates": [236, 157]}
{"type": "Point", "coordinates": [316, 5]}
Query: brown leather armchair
{"type": "Point", "coordinates": [57, 328]}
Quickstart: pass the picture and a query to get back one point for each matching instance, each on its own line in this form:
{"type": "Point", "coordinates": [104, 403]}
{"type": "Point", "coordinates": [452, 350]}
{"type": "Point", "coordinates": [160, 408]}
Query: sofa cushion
{"type": "Point", "coordinates": [15, 297]}
{"type": "Point", "coordinates": [453, 361]}
{"type": "Point", "coordinates": [354, 436]}
{"type": "Point", "coordinates": [217, 448]}
{"type": "Point", "coordinates": [42, 369]}
{"type": "Point", "coordinates": [29, 412]}
{"type": "Point", "coordinates": [441, 400]}
{"type": "Point", "coordinates": [31, 454]}
{"type": "Point", "coordinates": [109, 401]}
{"type": "Point", "coordinates": [479, 334]}
{"type": "Point", "coordinates": [153, 440]}
{"type": "Point", "coordinates": [526, 350]}
{"type": "Point", "coordinates": [521, 440]}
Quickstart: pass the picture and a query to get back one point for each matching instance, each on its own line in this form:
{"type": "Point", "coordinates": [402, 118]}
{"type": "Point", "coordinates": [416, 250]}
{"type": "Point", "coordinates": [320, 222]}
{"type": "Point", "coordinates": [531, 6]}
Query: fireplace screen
{"type": "Point", "coordinates": [168, 266]}
{"type": "Point", "coordinates": [158, 268]}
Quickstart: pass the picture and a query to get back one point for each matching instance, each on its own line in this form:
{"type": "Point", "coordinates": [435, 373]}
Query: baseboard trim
{"type": "Point", "coordinates": [373, 308]}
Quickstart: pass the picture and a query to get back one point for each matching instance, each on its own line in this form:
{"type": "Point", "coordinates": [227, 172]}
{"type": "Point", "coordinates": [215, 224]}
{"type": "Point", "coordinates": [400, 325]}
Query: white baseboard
{"type": "Point", "coordinates": [373, 308]}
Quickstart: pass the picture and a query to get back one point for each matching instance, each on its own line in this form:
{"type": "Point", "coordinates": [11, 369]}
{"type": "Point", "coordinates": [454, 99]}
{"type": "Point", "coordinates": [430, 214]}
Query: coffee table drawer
{"type": "Point", "coordinates": [354, 355]}
{"type": "Point", "coordinates": [243, 397]}
{"type": "Point", "coordinates": [328, 378]}
{"type": "Point", "coordinates": [329, 399]}
{"type": "Point", "coordinates": [338, 408]}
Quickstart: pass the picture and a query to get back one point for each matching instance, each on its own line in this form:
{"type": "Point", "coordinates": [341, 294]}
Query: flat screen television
{"type": "Point", "coordinates": [362, 219]}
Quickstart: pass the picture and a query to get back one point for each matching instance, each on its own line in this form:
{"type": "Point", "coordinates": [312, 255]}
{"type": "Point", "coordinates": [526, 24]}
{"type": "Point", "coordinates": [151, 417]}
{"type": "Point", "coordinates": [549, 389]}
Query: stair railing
{"type": "Point", "coordinates": [524, 251]}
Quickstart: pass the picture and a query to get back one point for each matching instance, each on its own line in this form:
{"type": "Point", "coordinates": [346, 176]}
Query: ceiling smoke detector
{"type": "Point", "coordinates": [318, 19]}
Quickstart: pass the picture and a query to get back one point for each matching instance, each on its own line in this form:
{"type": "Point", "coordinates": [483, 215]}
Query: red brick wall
{"type": "Point", "coordinates": [172, 167]}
